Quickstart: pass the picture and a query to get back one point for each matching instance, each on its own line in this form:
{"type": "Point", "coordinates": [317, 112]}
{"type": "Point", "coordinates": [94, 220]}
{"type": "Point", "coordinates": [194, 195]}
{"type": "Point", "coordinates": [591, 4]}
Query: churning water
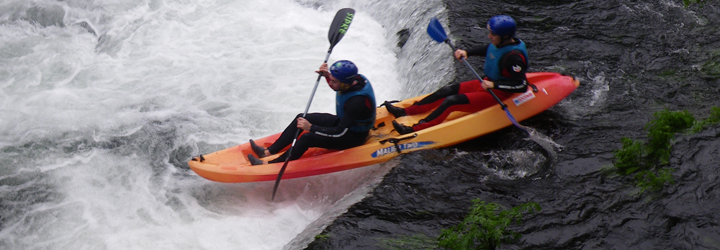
{"type": "Point", "coordinates": [103, 102]}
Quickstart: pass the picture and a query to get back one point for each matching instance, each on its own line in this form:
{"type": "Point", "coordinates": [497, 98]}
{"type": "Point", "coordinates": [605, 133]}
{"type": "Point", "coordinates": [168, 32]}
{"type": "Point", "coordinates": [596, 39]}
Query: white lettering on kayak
{"type": "Point", "coordinates": [527, 96]}
{"type": "Point", "coordinates": [404, 146]}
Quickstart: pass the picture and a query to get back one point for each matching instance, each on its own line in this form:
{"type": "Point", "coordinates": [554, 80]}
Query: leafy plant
{"type": "Point", "coordinates": [485, 227]}
{"type": "Point", "coordinates": [629, 159]}
{"type": "Point", "coordinates": [417, 242]}
{"type": "Point", "coordinates": [650, 180]}
{"type": "Point", "coordinates": [668, 73]}
{"type": "Point", "coordinates": [689, 2]}
{"type": "Point", "coordinates": [714, 118]}
{"type": "Point", "coordinates": [662, 129]}
{"type": "Point", "coordinates": [322, 237]}
{"type": "Point", "coordinates": [645, 160]}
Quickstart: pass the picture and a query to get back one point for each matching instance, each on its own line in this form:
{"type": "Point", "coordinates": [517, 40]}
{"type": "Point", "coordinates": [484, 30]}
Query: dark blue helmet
{"type": "Point", "coordinates": [502, 25]}
{"type": "Point", "coordinates": [344, 71]}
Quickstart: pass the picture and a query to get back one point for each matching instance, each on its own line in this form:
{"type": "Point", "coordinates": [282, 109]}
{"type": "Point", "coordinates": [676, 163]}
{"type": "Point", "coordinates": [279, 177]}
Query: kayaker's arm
{"type": "Point", "coordinates": [478, 51]}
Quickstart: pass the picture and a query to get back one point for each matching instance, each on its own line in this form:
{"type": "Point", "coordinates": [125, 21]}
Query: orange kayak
{"type": "Point", "coordinates": [384, 143]}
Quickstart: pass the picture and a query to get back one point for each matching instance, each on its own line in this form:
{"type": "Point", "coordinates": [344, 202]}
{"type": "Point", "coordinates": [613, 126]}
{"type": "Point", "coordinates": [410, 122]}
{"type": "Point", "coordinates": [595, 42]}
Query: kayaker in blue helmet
{"type": "Point", "coordinates": [355, 108]}
{"type": "Point", "coordinates": [505, 67]}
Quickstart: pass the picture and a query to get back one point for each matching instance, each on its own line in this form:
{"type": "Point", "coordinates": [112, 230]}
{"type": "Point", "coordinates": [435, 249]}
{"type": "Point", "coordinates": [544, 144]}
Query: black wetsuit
{"type": "Point", "coordinates": [328, 130]}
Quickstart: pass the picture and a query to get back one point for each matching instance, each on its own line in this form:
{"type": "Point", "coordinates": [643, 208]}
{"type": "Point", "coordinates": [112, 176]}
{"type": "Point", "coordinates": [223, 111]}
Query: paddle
{"type": "Point", "coordinates": [339, 26]}
{"type": "Point", "coordinates": [436, 31]}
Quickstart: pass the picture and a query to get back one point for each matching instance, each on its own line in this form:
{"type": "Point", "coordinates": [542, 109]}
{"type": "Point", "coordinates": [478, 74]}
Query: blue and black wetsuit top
{"type": "Point", "coordinates": [505, 65]}
{"type": "Point", "coordinates": [364, 122]}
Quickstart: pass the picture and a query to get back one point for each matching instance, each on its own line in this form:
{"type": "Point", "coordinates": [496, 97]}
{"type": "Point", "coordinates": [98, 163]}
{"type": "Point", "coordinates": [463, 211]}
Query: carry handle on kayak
{"type": "Point", "coordinates": [395, 141]}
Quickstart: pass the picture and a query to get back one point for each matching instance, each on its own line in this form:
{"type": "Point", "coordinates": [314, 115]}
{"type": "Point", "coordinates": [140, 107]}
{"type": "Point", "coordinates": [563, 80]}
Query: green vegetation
{"type": "Point", "coordinates": [484, 227]}
{"type": "Point", "coordinates": [689, 2]}
{"type": "Point", "coordinates": [662, 130]}
{"type": "Point", "coordinates": [322, 237]}
{"type": "Point", "coordinates": [654, 181]}
{"type": "Point", "coordinates": [648, 161]}
{"type": "Point", "coordinates": [409, 242]}
{"type": "Point", "coordinates": [668, 73]}
{"type": "Point", "coordinates": [711, 69]}
{"type": "Point", "coordinates": [714, 118]}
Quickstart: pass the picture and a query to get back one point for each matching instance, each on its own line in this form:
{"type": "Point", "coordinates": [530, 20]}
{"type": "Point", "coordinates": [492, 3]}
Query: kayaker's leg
{"type": "Point", "coordinates": [254, 161]}
{"type": "Point", "coordinates": [449, 105]}
{"type": "Point", "coordinates": [309, 140]}
{"type": "Point", "coordinates": [259, 151]}
{"type": "Point", "coordinates": [286, 138]}
{"type": "Point", "coordinates": [306, 140]}
{"type": "Point", "coordinates": [473, 98]}
{"type": "Point", "coordinates": [439, 94]}
{"type": "Point", "coordinates": [402, 129]}
{"type": "Point", "coordinates": [422, 108]}
{"type": "Point", "coordinates": [433, 100]}
{"type": "Point", "coordinates": [301, 146]}
{"type": "Point", "coordinates": [395, 111]}
{"type": "Point", "coordinates": [470, 86]}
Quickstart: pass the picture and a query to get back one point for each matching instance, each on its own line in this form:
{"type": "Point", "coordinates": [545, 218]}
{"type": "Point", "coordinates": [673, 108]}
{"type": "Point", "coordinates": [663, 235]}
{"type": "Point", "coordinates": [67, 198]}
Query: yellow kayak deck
{"type": "Point", "coordinates": [384, 143]}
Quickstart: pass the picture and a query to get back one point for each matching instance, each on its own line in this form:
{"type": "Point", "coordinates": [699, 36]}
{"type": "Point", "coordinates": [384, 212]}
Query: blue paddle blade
{"type": "Point", "coordinates": [436, 31]}
{"type": "Point", "coordinates": [514, 122]}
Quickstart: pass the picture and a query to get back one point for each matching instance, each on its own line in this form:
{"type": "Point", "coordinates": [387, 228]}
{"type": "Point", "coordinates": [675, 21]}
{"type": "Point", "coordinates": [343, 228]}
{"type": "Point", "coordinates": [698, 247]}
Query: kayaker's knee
{"type": "Point", "coordinates": [454, 100]}
{"type": "Point", "coordinates": [445, 91]}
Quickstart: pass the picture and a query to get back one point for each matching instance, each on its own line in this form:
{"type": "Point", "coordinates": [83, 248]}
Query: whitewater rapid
{"type": "Point", "coordinates": [102, 104]}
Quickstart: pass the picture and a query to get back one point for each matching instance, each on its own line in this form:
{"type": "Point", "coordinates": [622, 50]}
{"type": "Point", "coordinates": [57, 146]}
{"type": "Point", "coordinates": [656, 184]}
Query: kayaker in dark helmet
{"type": "Point", "coordinates": [355, 108]}
{"type": "Point", "coordinates": [505, 67]}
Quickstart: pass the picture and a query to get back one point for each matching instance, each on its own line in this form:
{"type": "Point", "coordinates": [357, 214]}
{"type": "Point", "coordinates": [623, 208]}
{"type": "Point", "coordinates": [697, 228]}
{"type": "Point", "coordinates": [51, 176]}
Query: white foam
{"type": "Point", "coordinates": [91, 120]}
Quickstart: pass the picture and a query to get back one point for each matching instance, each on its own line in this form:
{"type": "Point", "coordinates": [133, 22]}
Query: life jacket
{"type": "Point", "coordinates": [494, 55]}
{"type": "Point", "coordinates": [363, 125]}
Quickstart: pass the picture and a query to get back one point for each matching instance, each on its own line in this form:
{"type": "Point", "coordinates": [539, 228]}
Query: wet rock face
{"type": "Point", "coordinates": [633, 58]}
{"type": "Point", "coordinates": [403, 36]}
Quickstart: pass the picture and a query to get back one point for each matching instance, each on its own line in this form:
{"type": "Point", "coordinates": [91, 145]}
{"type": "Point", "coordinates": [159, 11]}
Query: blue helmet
{"type": "Point", "coordinates": [344, 71]}
{"type": "Point", "coordinates": [502, 25]}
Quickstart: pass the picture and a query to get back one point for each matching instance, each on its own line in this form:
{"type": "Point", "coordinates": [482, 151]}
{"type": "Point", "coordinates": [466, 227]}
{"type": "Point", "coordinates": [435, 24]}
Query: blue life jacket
{"type": "Point", "coordinates": [493, 56]}
{"type": "Point", "coordinates": [363, 125]}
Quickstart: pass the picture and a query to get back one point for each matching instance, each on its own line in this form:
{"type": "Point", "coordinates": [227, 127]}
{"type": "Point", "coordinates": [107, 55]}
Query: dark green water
{"type": "Point", "coordinates": [633, 58]}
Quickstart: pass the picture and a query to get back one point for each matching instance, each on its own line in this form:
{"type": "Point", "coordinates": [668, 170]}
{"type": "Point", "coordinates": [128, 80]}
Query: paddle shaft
{"type": "Point", "coordinates": [307, 107]}
{"type": "Point", "coordinates": [297, 132]}
{"type": "Point", "coordinates": [339, 26]}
